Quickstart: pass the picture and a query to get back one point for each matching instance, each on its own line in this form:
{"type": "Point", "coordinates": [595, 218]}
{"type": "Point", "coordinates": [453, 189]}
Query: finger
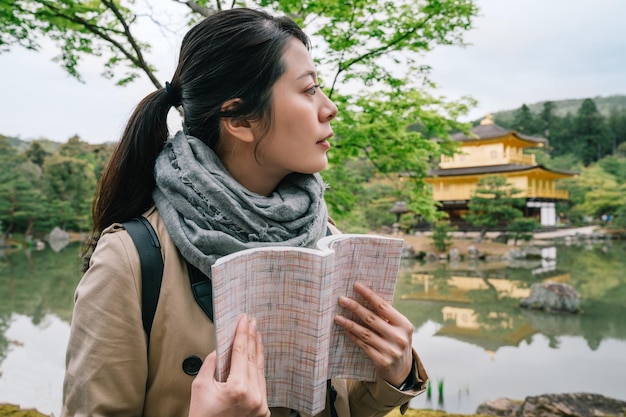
{"type": "Point", "coordinates": [387, 355]}
{"type": "Point", "coordinates": [260, 355]}
{"type": "Point", "coordinates": [366, 338]}
{"type": "Point", "coordinates": [239, 353]}
{"type": "Point", "coordinates": [367, 316]}
{"type": "Point", "coordinates": [380, 306]}
{"type": "Point", "coordinates": [252, 331]}
{"type": "Point", "coordinates": [387, 338]}
{"type": "Point", "coordinates": [373, 352]}
{"type": "Point", "coordinates": [207, 370]}
{"type": "Point", "coordinates": [256, 373]}
{"type": "Point", "coordinates": [252, 353]}
{"type": "Point", "coordinates": [261, 365]}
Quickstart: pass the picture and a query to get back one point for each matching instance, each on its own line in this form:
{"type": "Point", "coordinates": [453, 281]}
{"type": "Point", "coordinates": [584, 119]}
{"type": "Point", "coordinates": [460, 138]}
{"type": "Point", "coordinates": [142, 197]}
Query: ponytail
{"type": "Point", "coordinates": [125, 188]}
{"type": "Point", "coordinates": [232, 54]}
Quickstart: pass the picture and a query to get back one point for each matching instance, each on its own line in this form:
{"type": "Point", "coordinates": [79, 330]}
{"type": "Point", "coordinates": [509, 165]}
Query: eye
{"type": "Point", "coordinates": [311, 91]}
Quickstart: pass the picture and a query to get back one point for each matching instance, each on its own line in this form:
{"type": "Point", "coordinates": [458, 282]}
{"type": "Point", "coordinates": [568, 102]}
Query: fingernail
{"type": "Point", "coordinates": [340, 319]}
{"type": "Point", "coordinates": [253, 324]}
{"type": "Point", "coordinates": [343, 301]}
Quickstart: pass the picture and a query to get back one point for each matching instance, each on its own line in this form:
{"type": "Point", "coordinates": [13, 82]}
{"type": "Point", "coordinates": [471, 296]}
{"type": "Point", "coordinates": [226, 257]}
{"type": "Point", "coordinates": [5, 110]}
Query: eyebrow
{"type": "Point", "coordinates": [309, 73]}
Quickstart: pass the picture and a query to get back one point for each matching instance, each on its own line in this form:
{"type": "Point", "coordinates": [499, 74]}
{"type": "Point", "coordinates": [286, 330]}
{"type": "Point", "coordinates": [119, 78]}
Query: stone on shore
{"type": "Point", "coordinates": [556, 405]}
{"type": "Point", "coordinates": [501, 407]}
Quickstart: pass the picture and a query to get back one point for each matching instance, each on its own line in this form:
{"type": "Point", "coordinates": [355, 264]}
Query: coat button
{"type": "Point", "coordinates": [191, 365]}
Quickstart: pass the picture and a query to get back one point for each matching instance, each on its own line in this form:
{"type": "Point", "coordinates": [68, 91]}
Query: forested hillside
{"type": "Point", "coordinates": [584, 132]}
{"type": "Point", "coordinates": [562, 107]}
{"type": "Point", "coordinates": [45, 184]}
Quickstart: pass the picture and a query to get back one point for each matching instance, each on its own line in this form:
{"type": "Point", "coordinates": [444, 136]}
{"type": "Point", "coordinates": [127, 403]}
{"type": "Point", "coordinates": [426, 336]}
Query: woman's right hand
{"type": "Point", "coordinates": [244, 392]}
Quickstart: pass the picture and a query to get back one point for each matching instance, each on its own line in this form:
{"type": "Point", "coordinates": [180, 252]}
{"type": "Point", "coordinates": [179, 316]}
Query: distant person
{"type": "Point", "coordinates": [243, 172]}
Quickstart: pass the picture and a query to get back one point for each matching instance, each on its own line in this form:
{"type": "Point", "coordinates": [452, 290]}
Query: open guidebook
{"type": "Point", "coordinates": [293, 293]}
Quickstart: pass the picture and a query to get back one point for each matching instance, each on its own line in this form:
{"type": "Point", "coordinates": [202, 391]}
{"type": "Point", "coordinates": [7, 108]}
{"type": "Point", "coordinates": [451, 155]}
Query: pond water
{"type": "Point", "coordinates": [474, 340]}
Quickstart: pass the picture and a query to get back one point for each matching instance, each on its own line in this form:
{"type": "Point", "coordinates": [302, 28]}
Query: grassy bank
{"type": "Point", "coordinates": [10, 410]}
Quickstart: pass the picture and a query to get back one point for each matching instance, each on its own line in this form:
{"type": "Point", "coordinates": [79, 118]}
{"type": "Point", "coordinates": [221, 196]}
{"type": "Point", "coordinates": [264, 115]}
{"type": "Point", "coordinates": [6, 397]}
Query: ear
{"type": "Point", "coordinates": [237, 127]}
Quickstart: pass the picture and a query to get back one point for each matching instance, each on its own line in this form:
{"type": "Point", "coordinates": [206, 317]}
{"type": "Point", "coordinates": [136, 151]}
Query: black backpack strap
{"type": "Point", "coordinates": [202, 289]}
{"type": "Point", "coordinates": [149, 249]}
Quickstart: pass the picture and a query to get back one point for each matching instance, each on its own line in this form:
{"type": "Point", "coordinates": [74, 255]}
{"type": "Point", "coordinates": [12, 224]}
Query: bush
{"type": "Point", "coordinates": [441, 235]}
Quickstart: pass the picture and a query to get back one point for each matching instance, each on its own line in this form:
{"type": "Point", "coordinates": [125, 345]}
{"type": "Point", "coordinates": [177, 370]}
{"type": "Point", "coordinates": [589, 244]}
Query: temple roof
{"type": "Point", "coordinates": [489, 130]}
{"type": "Point", "coordinates": [495, 169]}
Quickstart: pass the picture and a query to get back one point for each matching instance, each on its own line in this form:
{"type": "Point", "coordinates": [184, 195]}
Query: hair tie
{"type": "Point", "coordinates": [171, 95]}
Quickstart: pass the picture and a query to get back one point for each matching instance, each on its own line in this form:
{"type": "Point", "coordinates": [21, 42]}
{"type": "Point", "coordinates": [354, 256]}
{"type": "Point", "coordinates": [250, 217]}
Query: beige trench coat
{"type": "Point", "coordinates": [108, 372]}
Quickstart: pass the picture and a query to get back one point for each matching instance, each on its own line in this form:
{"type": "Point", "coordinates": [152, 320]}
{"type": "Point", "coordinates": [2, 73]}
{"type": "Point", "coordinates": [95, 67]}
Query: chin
{"type": "Point", "coordinates": [312, 166]}
{"type": "Point", "coordinates": [313, 169]}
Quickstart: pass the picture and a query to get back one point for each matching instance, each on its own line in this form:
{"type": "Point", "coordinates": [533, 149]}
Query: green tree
{"type": "Point", "coordinates": [20, 197]}
{"type": "Point", "coordinates": [599, 189]}
{"type": "Point", "coordinates": [591, 133]}
{"type": "Point", "coordinates": [547, 118]}
{"type": "Point", "coordinates": [621, 149]}
{"type": "Point", "coordinates": [75, 148]}
{"type": "Point", "coordinates": [37, 153]}
{"type": "Point", "coordinates": [70, 183]}
{"type": "Point", "coordinates": [604, 194]}
{"type": "Point", "coordinates": [375, 46]}
{"type": "Point", "coordinates": [562, 139]}
{"type": "Point", "coordinates": [620, 217]}
{"type": "Point", "coordinates": [522, 228]}
{"type": "Point", "coordinates": [525, 121]}
{"type": "Point", "coordinates": [617, 127]}
{"type": "Point", "coordinates": [493, 204]}
{"type": "Point", "coordinates": [80, 28]}
{"type": "Point", "coordinates": [616, 166]}
{"type": "Point", "coordinates": [378, 135]}
{"type": "Point", "coordinates": [99, 156]}
{"type": "Point", "coordinates": [441, 235]}
{"type": "Point", "coordinates": [14, 29]}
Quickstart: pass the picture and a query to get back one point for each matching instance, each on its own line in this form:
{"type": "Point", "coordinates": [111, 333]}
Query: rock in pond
{"type": "Point", "coordinates": [552, 297]}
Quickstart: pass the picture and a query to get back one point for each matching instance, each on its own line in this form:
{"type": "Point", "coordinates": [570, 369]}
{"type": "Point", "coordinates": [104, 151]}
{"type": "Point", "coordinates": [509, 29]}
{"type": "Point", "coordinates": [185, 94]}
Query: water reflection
{"type": "Point", "coordinates": [32, 369]}
{"type": "Point", "coordinates": [476, 342]}
{"type": "Point", "coordinates": [477, 302]}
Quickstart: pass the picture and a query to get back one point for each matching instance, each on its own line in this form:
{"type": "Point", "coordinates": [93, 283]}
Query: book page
{"type": "Point", "coordinates": [282, 288]}
{"type": "Point", "coordinates": [373, 261]}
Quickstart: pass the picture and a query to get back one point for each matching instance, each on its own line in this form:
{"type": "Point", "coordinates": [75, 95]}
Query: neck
{"type": "Point", "coordinates": [250, 173]}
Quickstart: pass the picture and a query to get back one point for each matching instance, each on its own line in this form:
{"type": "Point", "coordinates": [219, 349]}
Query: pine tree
{"type": "Point", "coordinates": [525, 122]}
{"type": "Point", "coordinates": [591, 132]}
{"type": "Point", "coordinates": [547, 119]}
{"type": "Point", "coordinates": [617, 127]}
{"type": "Point", "coordinates": [493, 204]}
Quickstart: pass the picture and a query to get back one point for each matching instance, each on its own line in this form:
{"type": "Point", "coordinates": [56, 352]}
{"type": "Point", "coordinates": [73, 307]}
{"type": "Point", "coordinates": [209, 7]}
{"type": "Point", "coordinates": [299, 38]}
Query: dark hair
{"type": "Point", "coordinates": [233, 54]}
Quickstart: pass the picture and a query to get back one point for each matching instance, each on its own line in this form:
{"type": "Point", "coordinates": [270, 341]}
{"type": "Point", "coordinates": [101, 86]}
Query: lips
{"type": "Point", "coordinates": [323, 143]}
{"type": "Point", "coordinates": [330, 135]}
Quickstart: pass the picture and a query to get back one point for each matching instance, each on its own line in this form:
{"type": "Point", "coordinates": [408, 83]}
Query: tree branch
{"type": "Point", "coordinates": [140, 61]}
{"type": "Point", "coordinates": [380, 50]}
{"type": "Point", "coordinates": [343, 52]}
{"type": "Point", "coordinates": [196, 8]}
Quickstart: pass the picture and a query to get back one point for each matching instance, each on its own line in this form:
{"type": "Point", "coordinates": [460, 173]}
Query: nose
{"type": "Point", "coordinates": [328, 110]}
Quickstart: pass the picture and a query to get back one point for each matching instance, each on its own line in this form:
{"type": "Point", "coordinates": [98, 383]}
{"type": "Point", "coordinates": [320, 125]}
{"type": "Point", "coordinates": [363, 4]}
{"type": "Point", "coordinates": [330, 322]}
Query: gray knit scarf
{"type": "Point", "coordinates": [208, 214]}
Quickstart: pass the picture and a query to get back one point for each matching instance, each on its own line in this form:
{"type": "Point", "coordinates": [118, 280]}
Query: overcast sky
{"type": "Point", "coordinates": [521, 51]}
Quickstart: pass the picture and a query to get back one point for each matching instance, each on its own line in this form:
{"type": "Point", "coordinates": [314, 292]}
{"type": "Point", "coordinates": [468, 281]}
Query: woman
{"type": "Point", "coordinates": [242, 173]}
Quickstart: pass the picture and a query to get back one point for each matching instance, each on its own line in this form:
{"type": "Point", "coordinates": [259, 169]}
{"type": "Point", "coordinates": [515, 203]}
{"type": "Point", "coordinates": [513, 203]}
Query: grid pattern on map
{"type": "Point", "coordinates": [282, 290]}
{"type": "Point", "coordinates": [293, 293]}
{"type": "Point", "coordinates": [376, 264]}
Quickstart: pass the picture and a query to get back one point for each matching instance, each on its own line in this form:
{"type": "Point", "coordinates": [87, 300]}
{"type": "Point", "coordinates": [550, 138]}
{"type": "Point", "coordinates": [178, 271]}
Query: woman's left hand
{"type": "Point", "coordinates": [386, 335]}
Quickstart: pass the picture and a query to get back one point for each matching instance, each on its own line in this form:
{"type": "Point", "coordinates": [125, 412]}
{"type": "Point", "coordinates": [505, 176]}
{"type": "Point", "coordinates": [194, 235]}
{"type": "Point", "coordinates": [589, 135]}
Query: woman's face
{"type": "Point", "coordinates": [300, 128]}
